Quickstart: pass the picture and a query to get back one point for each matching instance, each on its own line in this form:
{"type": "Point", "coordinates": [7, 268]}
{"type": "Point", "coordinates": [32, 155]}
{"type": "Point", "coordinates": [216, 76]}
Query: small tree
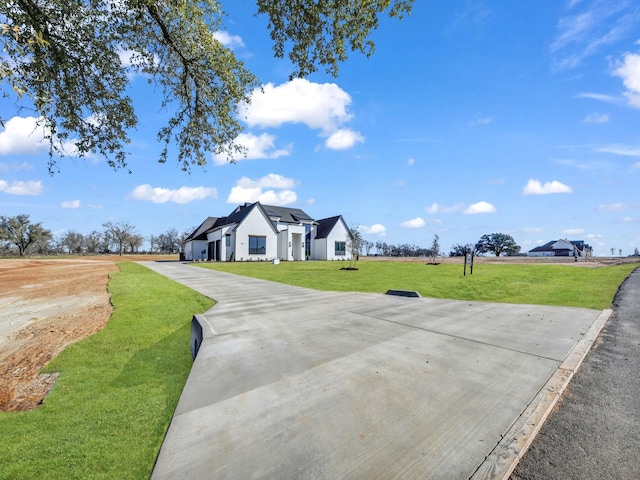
{"type": "Point", "coordinates": [119, 234]}
{"type": "Point", "coordinates": [435, 248]}
{"type": "Point", "coordinates": [460, 250]}
{"type": "Point", "coordinates": [368, 245]}
{"type": "Point", "coordinates": [73, 242]}
{"type": "Point", "coordinates": [354, 245]}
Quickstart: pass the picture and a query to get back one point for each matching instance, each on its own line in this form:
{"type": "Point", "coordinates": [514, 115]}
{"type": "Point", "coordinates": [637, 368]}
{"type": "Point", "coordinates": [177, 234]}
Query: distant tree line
{"type": "Point", "coordinates": [402, 249]}
{"type": "Point", "coordinates": [19, 235]}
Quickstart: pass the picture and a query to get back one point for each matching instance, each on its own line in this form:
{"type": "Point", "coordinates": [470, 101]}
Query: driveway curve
{"type": "Point", "coordinates": [293, 383]}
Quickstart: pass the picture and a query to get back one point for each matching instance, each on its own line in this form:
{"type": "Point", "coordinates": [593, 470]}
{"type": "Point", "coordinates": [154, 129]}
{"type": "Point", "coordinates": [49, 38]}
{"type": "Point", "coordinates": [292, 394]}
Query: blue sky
{"type": "Point", "coordinates": [470, 118]}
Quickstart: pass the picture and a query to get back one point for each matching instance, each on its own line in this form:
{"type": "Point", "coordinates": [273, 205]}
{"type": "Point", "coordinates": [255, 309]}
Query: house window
{"type": "Point", "coordinates": [307, 240]}
{"type": "Point", "coordinates": [227, 240]}
{"type": "Point", "coordinates": [257, 245]}
{"type": "Point", "coordinates": [341, 248]}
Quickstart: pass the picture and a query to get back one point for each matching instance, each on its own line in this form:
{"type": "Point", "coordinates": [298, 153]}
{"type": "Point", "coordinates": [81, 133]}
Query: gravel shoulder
{"type": "Point", "coordinates": [594, 431]}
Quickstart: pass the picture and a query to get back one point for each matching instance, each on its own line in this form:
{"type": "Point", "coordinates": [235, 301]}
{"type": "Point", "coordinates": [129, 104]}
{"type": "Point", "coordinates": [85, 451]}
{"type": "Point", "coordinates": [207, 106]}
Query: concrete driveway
{"type": "Point", "coordinates": [293, 383]}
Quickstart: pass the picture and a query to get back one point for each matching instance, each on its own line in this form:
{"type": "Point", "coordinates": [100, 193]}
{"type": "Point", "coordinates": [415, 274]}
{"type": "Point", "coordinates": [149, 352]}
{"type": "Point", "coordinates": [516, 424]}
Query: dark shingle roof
{"type": "Point", "coordinates": [326, 225]}
{"type": "Point", "coordinates": [200, 233]}
{"type": "Point", "coordinates": [547, 246]}
{"type": "Point", "coordinates": [544, 248]}
{"type": "Point", "coordinates": [287, 215]}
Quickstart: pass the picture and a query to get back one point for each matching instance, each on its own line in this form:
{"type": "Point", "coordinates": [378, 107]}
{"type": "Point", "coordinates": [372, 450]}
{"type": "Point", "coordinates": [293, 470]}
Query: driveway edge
{"type": "Point", "coordinates": [504, 458]}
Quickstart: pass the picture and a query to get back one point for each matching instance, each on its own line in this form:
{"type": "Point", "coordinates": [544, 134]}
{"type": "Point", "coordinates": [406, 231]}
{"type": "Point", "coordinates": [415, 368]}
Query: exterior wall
{"type": "Point", "coordinates": [195, 250]}
{"type": "Point", "coordinates": [282, 244]}
{"type": "Point", "coordinates": [541, 254]}
{"type": "Point", "coordinates": [255, 224]}
{"type": "Point", "coordinates": [293, 243]}
{"type": "Point", "coordinates": [188, 249]}
{"type": "Point", "coordinates": [562, 245]}
{"type": "Point", "coordinates": [318, 248]}
{"type": "Point", "coordinates": [338, 234]}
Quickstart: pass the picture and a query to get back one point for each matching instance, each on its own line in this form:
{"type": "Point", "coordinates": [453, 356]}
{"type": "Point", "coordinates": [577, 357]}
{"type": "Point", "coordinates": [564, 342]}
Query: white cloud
{"type": "Point", "coordinates": [617, 207]}
{"type": "Point", "coordinates": [228, 40]}
{"type": "Point", "coordinates": [181, 195]}
{"type": "Point", "coordinates": [573, 231]}
{"type": "Point", "coordinates": [18, 187]}
{"type": "Point", "coordinates": [482, 121]}
{"type": "Point", "coordinates": [594, 236]}
{"type": "Point", "coordinates": [26, 135]}
{"type": "Point", "coordinates": [126, 57]}
{"type": "Point", "coordinates": [600, 97]}
{"type": "Point", "coordinates": [591, 165]}
{"type": "Point", "coordinates": [73, 204]}
{"type": "Point", "coordinates": [533, 230]}
{"type": "Point", "coordinates": [375, 229]}
{"type": "Point", "coordinates": [635, 165]}
{"type": "Point", "coordinates": [630, 220]}
{"type": "Point", "coordinates": [410, 162]}
{"type": "Point", "coordinates": [417, 222]}
{"type": "Point", "coordinates": [247, 190]}
{"type": "Point", "coordinates": [586, 31]}
{"type": "Point", "coordinates": [629, 71]}
{"type": "Point", "coordinates": [620, 149]}
{"type": "Point", "coordinates": [596, 118]}
{"type": "Point", "coordinates": [256, 147]}
{"type": "Point", "coordinates": [534, 187]}
{"type": "Point", "coordinates": [14, 167]}
{"type": "Point", "coordinates": [320, 106]}
{"type": "Point", "coordinates": [23, 135]}
{"type": "Point", "coordinates": [343, 139]}
{"type": "Point", "coordinates": [272, 180]}
{"type": "Point", "coordinates": [437, 208]}
{"type": "Point", "coordinates": [480, 207]}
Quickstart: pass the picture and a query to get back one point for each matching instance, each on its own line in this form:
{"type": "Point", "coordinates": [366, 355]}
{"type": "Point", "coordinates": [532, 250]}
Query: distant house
{"type": "Point", "coordinates": [264, 232]}
{"type": "Point", "coordinates": [562, 248]}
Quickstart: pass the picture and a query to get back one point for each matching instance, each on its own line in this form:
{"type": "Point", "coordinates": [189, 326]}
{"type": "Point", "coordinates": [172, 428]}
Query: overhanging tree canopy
{"type": "Point", "coordinates": [65, 57]}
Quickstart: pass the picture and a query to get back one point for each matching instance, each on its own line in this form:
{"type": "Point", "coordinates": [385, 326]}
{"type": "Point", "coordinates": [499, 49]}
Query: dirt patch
{"type": "Point", "coordinates": [46, 305]}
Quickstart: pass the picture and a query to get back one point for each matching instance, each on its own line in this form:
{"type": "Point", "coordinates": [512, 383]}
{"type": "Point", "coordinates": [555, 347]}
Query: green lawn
{"type": "Point", "coordinates": [108, 412]}
{"type": "Point", "coordinates": [507, 283]}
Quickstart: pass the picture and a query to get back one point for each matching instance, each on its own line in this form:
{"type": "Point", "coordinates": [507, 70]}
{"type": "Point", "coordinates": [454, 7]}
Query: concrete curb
{"type": "Point", "coordinates": [504, 458]}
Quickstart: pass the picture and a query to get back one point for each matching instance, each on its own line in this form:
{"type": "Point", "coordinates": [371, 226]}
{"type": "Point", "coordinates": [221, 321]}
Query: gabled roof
{"type": "Point", "coordinates": [200, 233]}
{"type": "Point", "coordinates": [240, 212]}
{"type": "Point", "coordinates": [325, 226]}
{"type": "Point", "coordinates": [544, 248]}
{"type": "Point", "coordinates": [287, 215]}
{"type": "Point", "coordinates": [549, 246]}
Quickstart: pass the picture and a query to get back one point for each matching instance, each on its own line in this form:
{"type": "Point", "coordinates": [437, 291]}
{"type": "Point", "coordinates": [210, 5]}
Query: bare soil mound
{"type": "Point", "coordinates": [44, 306]}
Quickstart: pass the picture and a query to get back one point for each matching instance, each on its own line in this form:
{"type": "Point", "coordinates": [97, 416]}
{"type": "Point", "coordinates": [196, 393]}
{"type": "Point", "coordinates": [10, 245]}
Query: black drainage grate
{"type": "Point", "coordinates": [403, 293]}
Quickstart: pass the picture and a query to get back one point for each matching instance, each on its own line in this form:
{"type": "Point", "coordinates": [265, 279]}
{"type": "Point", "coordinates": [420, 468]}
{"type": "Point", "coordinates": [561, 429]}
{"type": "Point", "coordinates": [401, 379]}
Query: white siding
{"type": "Point", "coordinates": [338, 234]}
{"type": "Point", "coordinates": [318, 248]}
{"type": "Point", "coordinates": [255, 224]}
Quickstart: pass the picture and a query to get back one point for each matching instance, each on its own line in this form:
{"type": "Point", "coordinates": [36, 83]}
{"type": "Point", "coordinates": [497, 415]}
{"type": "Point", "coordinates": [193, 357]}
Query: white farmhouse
{"type": "Point", "coordinates": [256, 232]}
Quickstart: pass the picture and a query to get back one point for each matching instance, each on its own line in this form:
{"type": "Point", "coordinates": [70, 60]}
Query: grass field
{"type": "Point", "coordinates": [108, 412]}
{"type": "Point", "coordinates": [539, 284]}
